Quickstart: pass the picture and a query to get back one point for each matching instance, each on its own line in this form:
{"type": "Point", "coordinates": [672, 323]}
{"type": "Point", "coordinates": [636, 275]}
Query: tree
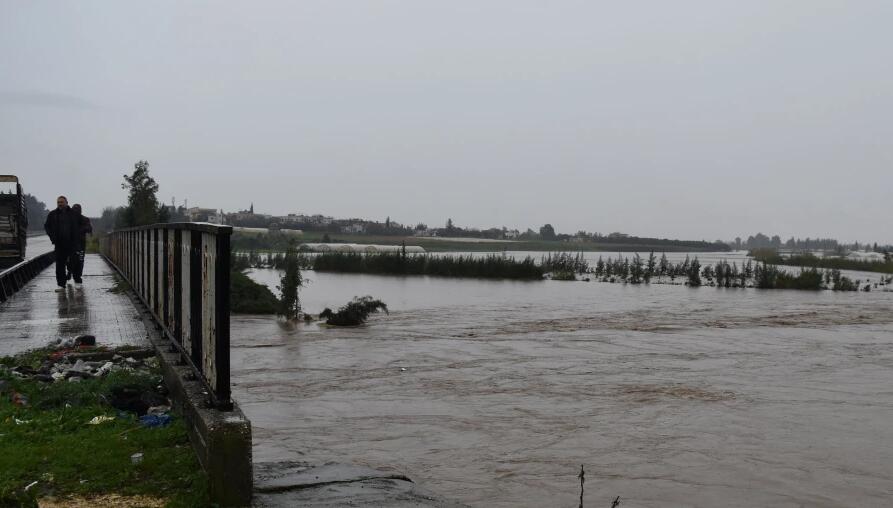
{"type": "Point", "coordinates": [694, 273]}
{"type": "Point", "coordinates": [547, 232]}
{"type": "Point", "coordinates": [708, 273]}
{"type": "Point", "coordinates": [142, 201]}
{"type": "Point", "coordinates": [290, 284]}
{"type": "Point", "coordinates": [387, 223]}
{"type": "Point", "coordinates": [649, 268]}
{"type": "Point", "coordinates": [635, 270]}
{"type": "Point", "coordinates": [37, 212]}
{"type": "Point", "coordinates": [663, 265]}
{"type": "Point", "coordinates": [449, 225]}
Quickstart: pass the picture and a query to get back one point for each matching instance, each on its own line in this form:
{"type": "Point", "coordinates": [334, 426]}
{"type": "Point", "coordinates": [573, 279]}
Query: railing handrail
{"type": "Point", "coordinates": [180, 271]}
{"type": "Point", "coordinates": [206, 227]}
{"type": "Point", "coordinates": [15, 277]}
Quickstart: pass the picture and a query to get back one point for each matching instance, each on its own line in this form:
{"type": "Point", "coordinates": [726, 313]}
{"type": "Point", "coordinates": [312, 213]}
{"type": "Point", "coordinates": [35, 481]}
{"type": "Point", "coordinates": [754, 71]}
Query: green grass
{"type": "Point", "coordinates": [67, 457]}
{"type": "Point", "coordinates": [92, 246]}
{"type": "Point", "coordinates": [835, 263]}
{"type": "Point", "coordinates": [250, 297]}
{"type": "Point", "coordinates": [120, 285]}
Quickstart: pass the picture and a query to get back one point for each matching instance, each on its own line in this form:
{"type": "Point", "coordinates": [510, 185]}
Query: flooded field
{"type": "Point", "coordinates": [494, 393]}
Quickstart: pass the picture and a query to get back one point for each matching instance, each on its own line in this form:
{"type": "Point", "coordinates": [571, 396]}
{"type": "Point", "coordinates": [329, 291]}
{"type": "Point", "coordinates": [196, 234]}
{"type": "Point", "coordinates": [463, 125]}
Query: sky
{"type": "Point", "coordinates": [696, 119]}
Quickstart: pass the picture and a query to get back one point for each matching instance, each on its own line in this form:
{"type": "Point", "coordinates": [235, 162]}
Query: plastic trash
{"type": "Point", "coordinates": [133, 362]}
{"type": "Point", "coordinates": [154, 421]}
{"type": "Point", "coordinates": [100, 419]}
{"type": "Point", "coordinates": [85, 340]}
{"type": "Point", "coordinates": [28, 487]}
{"type": "Point", "coordinates": [136, 458]}
{"type": "Point", "coordinates": [19, 399]}
{"type": "Point", "coordinates": [158, 410]}
{"type": "Point", "coordinates": [105, 369]}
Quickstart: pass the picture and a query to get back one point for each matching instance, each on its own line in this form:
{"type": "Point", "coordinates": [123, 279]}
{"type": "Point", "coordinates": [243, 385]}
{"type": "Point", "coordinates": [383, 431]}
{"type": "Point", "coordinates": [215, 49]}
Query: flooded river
{"type": "Point", "coordinates": [494, 393]}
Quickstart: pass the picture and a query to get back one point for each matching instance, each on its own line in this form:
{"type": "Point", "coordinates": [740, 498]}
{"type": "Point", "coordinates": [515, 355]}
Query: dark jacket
{"type": "Point", "coordinates": [85, 227]}
{"type": "Point", "coordinates": [63, 228]}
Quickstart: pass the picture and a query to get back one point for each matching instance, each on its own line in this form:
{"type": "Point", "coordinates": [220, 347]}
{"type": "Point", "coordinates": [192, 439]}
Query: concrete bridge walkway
{"type": "Point", "coordinates": [38, 314]}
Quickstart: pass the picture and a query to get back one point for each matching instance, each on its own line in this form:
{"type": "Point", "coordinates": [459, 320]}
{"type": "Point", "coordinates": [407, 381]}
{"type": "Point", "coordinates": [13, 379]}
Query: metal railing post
{"type": "Point", "coordinates": [181, 273]}
{"type": "Point", "coordinates": [195, 299]}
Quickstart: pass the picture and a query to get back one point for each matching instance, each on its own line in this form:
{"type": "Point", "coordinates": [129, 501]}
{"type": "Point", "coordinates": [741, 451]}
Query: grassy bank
{"type": "Point", "coordinates": [807, 260]}
{"type": "Point", "coordinates": [250, 297]}
{"type": "Point", "coordinates": [266, 242]}
{"type": "Point", "coordinates": [486, 267]}
{"type": "Point", "coordinates": [48, 447]}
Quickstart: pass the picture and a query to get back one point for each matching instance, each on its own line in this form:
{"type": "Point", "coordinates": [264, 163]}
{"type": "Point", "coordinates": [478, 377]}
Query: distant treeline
{"type": "Point", "coordinates": [761, 241]}
{"type": "Point", "coordinates": [611, 243]}
{"type": "Point", "coordinates": [771, 256]}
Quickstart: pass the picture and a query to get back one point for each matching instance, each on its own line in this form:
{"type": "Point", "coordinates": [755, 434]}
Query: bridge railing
{"type": "Point", "coordinates": [15, 277]}
{"type": "Point", "coordinates": [181, 272]}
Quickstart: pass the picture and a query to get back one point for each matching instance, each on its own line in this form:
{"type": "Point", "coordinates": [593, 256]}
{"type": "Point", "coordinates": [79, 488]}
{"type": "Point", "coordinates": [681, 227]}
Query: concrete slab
{"type": "Point", "coordinates": [287, 484]}
{"type": "Point", "coordinates": [37, 314]}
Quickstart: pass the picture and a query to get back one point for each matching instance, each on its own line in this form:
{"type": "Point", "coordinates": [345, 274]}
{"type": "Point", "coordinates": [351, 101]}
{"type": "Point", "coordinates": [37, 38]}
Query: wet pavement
{"type": "Point", "coordinates": [38, 245]}
{"type": "Point", "coordinates": [37, 314]}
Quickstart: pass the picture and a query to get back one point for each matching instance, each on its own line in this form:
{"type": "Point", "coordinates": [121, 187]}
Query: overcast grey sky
{"type": "Point", "coordinates": [693, 119]}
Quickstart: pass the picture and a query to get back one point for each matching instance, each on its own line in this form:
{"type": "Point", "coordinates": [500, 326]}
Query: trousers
{"type": "Point", "coordinates": [64, 263]}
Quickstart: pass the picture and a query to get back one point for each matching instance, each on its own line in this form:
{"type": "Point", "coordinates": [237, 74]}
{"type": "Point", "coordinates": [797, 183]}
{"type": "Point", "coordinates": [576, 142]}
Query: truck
{"type": "Point", "coordinates": [13, 222]}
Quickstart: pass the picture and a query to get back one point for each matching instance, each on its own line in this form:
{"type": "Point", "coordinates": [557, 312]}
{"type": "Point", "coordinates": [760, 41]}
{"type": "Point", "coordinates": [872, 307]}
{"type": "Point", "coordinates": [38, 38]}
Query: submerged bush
{"type": "Point", "coordinates": [564, 275]}
{"type": "Point", "coordinates": [770, 277]}
{"type": "Point", "coordinates": [354, 313]}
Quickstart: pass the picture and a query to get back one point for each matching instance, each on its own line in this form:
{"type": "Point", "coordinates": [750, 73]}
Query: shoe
{"type": "Point", "coordinates": [60, 289]}
{"type": "Point", "coordinates": [78, 281]}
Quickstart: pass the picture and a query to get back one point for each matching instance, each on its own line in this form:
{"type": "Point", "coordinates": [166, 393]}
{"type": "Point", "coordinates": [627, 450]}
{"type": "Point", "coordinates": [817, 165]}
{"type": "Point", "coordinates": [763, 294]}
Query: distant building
{"type": "Point", "coordinates": [354, 228]}
{"type": "Point", "coordinates": [217, 218]}
{"type": "Point", "coordinates": [199, 214]}
{"type": "Point", "coordinates": [512, 234]}
{"type": "Point", "coordinates": [865, 256]}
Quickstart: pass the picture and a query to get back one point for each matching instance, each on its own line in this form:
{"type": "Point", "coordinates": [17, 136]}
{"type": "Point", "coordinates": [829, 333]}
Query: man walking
{"type": "Point", "coordinates": [85, 227]}
{"type": "Point", "coordinates": [62, 228]}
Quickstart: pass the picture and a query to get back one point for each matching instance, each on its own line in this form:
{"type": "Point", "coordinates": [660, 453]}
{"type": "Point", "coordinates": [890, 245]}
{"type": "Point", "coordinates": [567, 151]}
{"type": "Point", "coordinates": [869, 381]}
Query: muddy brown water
{"type": "Point", "coordinates": [494, 393]}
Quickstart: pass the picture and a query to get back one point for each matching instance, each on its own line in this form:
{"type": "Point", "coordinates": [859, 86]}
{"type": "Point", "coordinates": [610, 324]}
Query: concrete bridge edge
{"type": "Point", "coordinates": [221, 439]}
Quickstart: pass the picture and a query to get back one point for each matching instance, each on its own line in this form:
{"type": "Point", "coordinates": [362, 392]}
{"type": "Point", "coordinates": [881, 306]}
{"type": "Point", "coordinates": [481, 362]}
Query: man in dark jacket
{"type": "Point", "coordinates": [85, 227]}
{"type": "Point", "coordinates": [62, 227]}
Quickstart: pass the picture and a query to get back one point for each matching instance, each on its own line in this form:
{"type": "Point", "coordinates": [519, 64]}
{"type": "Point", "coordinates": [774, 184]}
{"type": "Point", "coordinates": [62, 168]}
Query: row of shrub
{"type": "Point", "coordinates": [492, 266]}
{"type": "Point", "coordinates": [561, 266]}
{"type": "Point", "coordinates": [721, 274]}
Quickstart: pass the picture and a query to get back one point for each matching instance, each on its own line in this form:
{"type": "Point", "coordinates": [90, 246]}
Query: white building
{"type": "Point", "coordinates": [355, 228]}
{"type": "Point", "coordinates": [865, 256]}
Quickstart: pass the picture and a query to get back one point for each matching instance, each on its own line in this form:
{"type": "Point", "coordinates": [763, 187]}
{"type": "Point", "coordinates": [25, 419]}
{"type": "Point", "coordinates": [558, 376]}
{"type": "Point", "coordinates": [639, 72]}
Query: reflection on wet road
{"type": "Point", "coordinates": [493, 393]}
